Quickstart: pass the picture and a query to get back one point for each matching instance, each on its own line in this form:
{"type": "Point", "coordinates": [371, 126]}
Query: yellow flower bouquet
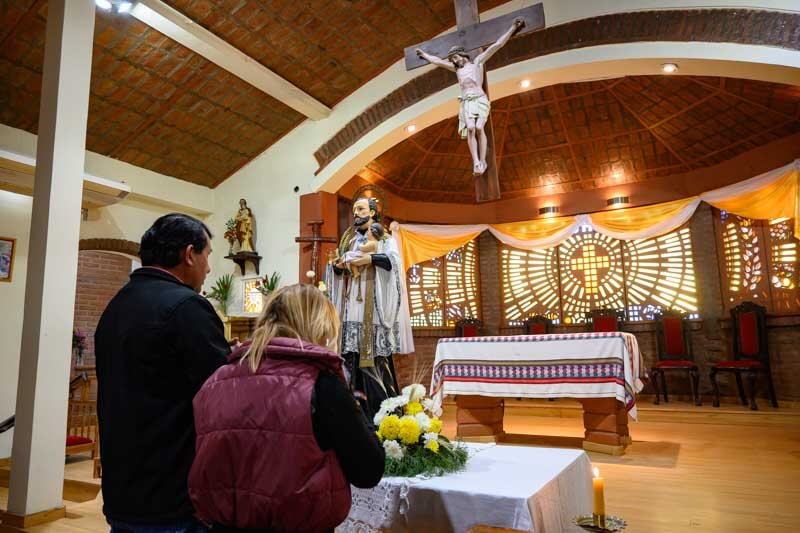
{"type": "Point", "coordinates": [410, 429]}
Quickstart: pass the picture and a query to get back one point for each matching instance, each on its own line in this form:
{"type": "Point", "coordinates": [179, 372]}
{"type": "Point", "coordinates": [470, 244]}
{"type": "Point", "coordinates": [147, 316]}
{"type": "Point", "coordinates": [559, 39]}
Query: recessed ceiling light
{"type": "Point", "coordinates": [103, 4]}
{"type": "Point", "coordinates": [525, 84]}
{"type": "Point", "coordinates": [411, 128]}
{"type": "Point", "coordinates": [669, 68]}
{"type": "Point", "coordinates": [618, 201]}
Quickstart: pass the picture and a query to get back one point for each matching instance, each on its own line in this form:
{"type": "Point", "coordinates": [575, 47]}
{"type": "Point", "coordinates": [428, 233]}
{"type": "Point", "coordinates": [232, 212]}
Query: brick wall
{"type": "Point", "coordinates": [709, 340]}
{"type": "Point", "coordinates": [100, 276]}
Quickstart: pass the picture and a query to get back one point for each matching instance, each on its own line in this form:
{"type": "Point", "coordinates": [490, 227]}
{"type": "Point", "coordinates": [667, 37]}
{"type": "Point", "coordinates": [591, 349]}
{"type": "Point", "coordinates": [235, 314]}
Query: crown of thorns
{"type": "Point", "coordinates": [456, 50]}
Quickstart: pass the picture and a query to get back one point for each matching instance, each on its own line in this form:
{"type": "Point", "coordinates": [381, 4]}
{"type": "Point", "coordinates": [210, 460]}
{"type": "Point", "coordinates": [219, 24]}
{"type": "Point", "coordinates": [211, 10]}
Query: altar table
{"type": "Point", "coordinates": [525, 488]}
{"type": "Point", "coordinates": [602, 370]}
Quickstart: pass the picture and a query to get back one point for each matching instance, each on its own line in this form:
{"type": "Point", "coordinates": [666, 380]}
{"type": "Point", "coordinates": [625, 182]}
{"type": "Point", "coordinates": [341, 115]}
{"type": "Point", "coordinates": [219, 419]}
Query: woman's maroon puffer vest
{"type": "Point", "coordinates": [258, 465]}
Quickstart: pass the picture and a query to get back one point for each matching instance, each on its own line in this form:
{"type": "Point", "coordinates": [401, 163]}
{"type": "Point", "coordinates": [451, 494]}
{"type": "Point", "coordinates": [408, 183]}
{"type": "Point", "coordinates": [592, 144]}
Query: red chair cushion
{"type": "Point", "coordinates": [741, 363]}
{"type": "Point", "coordinates": [604, 323]}
{"type": "Point", "coordinates": [673, 336]}
{"type": "Point", "coordinates": [537, 328]}
{"type": "Point", "coordinates": [675, 363]}
{"type": "Point", "coordinates": [748, 333]}
{"type": "Point", "coordinates": [74, 440]}
{"type": "Point", "coordinates": [469, 330]}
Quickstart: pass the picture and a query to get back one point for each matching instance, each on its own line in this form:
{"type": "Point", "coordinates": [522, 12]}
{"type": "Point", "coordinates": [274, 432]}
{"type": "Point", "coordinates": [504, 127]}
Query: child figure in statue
{"type": "Point", "coordinates": [373, 235]}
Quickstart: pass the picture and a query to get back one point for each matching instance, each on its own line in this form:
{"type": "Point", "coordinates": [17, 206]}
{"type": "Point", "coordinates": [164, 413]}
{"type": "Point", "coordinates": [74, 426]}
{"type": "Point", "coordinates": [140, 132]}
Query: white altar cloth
{"type": "Point", "coordinates": [525, 488]}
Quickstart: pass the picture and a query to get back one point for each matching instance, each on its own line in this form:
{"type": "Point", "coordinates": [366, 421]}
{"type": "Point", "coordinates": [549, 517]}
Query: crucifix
{"type": "Point", "coordinates": [316, 241]}
{"type": "Point", "coordinates": [454, 52]}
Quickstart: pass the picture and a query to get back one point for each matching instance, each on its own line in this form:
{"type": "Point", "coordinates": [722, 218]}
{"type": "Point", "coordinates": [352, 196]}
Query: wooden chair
{"type": "Point", "coordinates": [537, 325]}
{"type": "Point", "coordinates": [604, 320]}
{"type": "Point", "coordinates": [468, 327]}
{"type": "Point", "coordinates": [82, 428]}
{"type": "Point", "coordinates": [674, 353]}
{"type": "Point", "coordinates": [750, 353]}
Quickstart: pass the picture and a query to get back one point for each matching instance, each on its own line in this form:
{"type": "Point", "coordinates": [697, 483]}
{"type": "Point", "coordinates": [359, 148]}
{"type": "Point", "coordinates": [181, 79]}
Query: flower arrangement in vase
{"type": "Point", "coordinates": [410, 429]}
{"type": "Point", "coordinates": [231, 234]}
{"type": "Point", "coordinates": [221, 292]}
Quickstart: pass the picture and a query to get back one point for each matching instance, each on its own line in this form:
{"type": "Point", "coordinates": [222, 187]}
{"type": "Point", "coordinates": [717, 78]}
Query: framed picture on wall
{"type": "Point", "coordinates": [6, 258]}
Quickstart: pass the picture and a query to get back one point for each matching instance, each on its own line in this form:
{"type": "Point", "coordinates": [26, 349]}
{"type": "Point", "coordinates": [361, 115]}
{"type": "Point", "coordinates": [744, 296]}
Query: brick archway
{"type": "Point", "coordinates": [120, 246]}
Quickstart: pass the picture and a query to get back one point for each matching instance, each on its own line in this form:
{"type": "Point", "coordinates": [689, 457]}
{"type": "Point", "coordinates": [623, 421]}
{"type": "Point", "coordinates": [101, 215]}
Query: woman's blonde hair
{"type": "Point", "coordinates": [298, 311]}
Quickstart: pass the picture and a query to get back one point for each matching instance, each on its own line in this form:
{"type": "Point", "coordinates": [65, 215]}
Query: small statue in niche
{"type": "Point", "coordinates": [245, 224]}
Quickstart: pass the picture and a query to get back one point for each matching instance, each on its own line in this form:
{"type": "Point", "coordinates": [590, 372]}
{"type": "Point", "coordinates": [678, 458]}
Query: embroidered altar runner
{"type": "Point", "coordinates": [572, 365]}
{"type": "Point", "coordinates": [525, 488]}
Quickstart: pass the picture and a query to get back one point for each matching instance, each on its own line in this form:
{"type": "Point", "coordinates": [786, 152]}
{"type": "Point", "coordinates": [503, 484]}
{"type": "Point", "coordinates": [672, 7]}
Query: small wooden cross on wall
{"type": "Point", "coordinates": [316, 242]}
{"type": "Point", "coordinates": [473, 35]}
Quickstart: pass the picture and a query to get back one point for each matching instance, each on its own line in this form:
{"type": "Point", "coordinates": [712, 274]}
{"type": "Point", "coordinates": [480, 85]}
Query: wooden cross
{"type": "Point", "coordinates": [473, 35]}
{"type": "Point", "coordinates": [316, 241]}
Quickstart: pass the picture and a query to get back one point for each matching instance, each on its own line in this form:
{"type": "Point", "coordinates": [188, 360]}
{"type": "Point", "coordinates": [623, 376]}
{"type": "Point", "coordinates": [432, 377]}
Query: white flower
{"type": "Point", "coordinates": [397, 402]}
{"type": "Point", "coordinates": [423, 420]}
{"type": "Point", "coordinates": [430, 436]}
{"type": "Point", "coordinates": [427, 404]}
{"type": "Point", "coordinates": [379, 416]}
{"type": "Point", "coordinates": [414, 392]}
{"type": "Point", "coordinates": [393, 449]}
{"type": "Point", "coordinates": [432, 406]}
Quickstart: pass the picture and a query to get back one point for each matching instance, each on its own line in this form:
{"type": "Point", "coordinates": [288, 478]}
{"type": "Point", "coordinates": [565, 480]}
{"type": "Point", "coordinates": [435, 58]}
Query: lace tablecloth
{"type": "Point", "coordinates": [525, 488]}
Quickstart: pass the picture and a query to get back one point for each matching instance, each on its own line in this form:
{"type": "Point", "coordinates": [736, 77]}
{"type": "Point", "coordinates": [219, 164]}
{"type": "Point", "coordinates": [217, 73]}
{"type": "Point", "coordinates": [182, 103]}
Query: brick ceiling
{"type": "Point", "coordinates": [158, 105]}
{"type": "Point", "coordinates": [582, 136]}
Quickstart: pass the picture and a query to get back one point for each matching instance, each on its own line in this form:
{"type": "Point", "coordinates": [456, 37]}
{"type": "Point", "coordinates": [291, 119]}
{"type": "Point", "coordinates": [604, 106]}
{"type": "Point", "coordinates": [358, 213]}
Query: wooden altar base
{"type": "Point", "coordinates": [605, 421]}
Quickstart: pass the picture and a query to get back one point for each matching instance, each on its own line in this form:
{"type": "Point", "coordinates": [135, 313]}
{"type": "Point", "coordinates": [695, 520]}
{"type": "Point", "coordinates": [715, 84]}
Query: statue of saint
{"type": "Point", "coordinates": [474, 104]}
{"type": "Point", "coordinates": [365, 286]}
{"type": "Point", "coordinates": [245, 227]}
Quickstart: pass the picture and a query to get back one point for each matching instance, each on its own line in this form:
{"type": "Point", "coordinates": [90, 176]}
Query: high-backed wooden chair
{"type": "Point", "coordinates": [750, 353]}
{"type": "Point", "coordinates": [468, 327]}
{"type": "Point", "coordinates": [674, 354]}
{"type": "Point", "coordinates": [82, 428]}
{"type": "Point", "coordinates": [537, 325]}
{"type": "Point", "coordinates": [604, 320]}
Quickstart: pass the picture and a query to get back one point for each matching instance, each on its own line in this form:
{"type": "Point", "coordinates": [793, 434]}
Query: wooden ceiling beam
{"type": "Point", "coordinates": [24, 21]}
{"type": "Point", "coordinates": [426, 153]}
{"type": "Point", "coordinates": [182, 29]}
{"type": "Point", "coordinates": [653, 133]}
{"type": "Point", "coordinates": [726, 92]}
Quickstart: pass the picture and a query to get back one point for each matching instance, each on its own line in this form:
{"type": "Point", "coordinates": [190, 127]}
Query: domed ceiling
{"type": "Point", "coordinates": [582, 136]}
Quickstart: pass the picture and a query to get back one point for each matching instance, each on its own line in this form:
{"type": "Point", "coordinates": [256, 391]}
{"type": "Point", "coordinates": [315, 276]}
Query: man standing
{"type": "Point", "coordinates": [156, 344]}
{"type": "Point", "coordinates": [474, 104]}
{"type": "Point", "coordinates": [369, 307]}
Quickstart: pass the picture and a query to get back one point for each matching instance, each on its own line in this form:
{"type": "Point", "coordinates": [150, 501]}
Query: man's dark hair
{"type": "Point", "coordinates": [162, 244]}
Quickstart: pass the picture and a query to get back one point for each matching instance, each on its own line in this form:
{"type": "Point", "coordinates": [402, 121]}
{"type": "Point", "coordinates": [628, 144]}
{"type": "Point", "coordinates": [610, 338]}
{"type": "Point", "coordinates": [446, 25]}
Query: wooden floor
{"type": "Point", "coordinates": [689, 470]}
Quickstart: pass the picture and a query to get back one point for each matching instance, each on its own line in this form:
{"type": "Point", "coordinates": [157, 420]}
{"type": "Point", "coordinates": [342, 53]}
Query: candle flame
{"type": "Point", "coordinates": [596, 472]}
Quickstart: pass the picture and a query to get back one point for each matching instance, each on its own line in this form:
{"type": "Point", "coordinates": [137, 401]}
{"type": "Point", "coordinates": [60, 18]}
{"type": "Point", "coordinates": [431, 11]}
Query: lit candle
{"type": "Point", "coordinates": [599, 512]}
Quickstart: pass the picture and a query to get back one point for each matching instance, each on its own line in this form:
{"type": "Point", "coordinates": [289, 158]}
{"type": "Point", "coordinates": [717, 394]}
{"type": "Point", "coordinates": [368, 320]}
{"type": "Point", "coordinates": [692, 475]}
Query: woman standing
{"type": "Point", "coordinates": [280, 438]}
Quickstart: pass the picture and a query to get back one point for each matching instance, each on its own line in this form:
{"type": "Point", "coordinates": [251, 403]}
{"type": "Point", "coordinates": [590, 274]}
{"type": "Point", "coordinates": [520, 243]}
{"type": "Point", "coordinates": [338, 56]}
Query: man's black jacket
{"type": "Point", "coordinates": [156, 344]}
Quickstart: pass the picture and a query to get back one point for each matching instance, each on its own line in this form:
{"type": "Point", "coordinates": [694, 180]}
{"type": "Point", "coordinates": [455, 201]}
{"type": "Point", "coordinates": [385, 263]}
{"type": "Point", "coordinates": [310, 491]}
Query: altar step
{"type": "Point", "coordinates": [730, 411]}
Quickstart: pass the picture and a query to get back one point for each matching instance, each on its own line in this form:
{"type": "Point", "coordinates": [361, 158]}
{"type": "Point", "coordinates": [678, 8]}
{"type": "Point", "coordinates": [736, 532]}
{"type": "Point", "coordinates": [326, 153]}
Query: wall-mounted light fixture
{"type": "Point", "coordinates": [548, 210]}
{"type": "Point", "coordinates": [617, 201]}
{"type": "Point", "coordinates": [525, 84]}
{"type": "Point", "coordinates": [411, 128]}
{"type": "Point", "coordinates": [669, 68]}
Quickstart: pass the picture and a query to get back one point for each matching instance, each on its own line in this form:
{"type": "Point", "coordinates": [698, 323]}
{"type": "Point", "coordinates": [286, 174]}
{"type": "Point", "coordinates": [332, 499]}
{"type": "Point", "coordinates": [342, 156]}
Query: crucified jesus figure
{"type": "Point", "coordinates": [474, 104]}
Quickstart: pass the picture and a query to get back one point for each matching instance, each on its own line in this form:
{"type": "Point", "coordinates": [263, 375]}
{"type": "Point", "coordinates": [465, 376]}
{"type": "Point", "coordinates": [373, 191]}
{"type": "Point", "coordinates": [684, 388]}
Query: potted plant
{"type": "Point", "coordinates": [268, 284]}
{"type": "Point", "coordinates": [221, 292]}
{"type": "Point", "coordinates": [78, 346]}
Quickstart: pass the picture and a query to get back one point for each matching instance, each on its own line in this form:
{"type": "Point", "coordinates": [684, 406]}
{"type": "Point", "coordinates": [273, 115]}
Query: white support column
{"type": "Point", "coordinates": [37, 457]}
